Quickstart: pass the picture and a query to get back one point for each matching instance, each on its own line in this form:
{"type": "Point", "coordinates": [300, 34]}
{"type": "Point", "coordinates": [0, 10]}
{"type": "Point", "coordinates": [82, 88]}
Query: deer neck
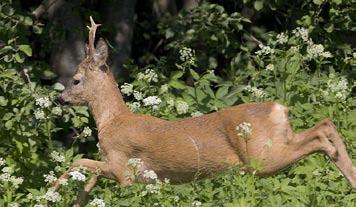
{"type": "Point", "coordinates": [107, 105]}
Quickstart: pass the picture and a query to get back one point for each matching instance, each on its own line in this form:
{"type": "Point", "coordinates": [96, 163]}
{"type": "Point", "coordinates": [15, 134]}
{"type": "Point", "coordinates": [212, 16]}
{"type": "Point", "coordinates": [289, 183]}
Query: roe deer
{"type": "Point", "coordinates": [177, 150]}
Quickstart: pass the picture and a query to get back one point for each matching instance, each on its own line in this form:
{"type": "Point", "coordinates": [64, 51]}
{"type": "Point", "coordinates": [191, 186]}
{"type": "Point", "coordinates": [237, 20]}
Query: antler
{"type": "Point", "coordinates": [92, 31]}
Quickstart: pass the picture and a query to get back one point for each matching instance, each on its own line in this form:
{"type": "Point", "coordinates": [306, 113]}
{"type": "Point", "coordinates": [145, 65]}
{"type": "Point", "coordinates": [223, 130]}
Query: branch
{"type": "Point", "coordinates": [42, 8]}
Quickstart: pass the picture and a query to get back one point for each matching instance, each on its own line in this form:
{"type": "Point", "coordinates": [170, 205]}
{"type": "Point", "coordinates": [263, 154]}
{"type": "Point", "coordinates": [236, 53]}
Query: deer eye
{"type": "Point", "coordinates": [76, 82]}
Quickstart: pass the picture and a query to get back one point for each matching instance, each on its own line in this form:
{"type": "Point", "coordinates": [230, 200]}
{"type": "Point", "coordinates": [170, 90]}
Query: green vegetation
{"type": "Point", "coordinates": [299, 53]}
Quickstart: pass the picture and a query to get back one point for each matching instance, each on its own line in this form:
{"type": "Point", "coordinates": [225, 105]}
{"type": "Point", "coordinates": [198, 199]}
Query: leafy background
{"type": "Point", "coordinates": [204, 59]}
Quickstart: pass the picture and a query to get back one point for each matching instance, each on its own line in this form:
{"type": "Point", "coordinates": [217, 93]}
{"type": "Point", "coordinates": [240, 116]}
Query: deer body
{"type": "Point", "coordinates": [194, 147]}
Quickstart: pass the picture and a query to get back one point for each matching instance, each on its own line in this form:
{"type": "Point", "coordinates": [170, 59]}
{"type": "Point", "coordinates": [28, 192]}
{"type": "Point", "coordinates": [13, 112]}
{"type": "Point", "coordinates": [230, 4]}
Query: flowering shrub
{"type": "Point", "coordinates": [212, 59]}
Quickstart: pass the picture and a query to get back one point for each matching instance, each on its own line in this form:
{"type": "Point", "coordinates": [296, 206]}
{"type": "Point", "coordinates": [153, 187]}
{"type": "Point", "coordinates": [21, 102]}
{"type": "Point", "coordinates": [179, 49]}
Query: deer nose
{"type": "Point", "coordinates": [61, 101]}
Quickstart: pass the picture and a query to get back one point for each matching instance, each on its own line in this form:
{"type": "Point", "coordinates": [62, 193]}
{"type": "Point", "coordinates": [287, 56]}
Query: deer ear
{"type": "Point", "coordinates": [101, 53]}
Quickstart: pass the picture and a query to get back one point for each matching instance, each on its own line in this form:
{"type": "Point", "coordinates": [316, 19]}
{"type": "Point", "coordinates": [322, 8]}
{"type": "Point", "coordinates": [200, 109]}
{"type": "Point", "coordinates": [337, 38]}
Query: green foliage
{"type": "Point", "coordinates": [212, 59]}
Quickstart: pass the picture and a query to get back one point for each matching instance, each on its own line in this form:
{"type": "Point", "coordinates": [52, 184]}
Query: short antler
{"type": "Point", "coordinates": [92, 31]}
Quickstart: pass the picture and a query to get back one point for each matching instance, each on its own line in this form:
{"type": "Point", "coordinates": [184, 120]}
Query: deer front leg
{"type": "Point", "coordinates": [91, 165]}
{"type": "Point", "coordinates": [83, 196]}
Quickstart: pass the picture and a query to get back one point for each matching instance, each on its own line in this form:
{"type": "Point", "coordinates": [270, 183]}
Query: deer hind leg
{"type": "Point", "coordinates": [321, 138]}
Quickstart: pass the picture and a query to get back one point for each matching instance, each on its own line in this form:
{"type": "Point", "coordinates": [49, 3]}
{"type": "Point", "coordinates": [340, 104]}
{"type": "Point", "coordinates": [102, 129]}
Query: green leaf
{"type": "Point", "coordinates": [58, 87]}
{"type": "Point", "coordinates": [318, 2]}
{"type": "Point", "coordinates": [26, 49]}
{"type": "Point", "coordinates": [177, 84]}
{"type": "Point", "coordinates": [258, 5]}
{"type": "Point", "coordinates": [222, 91]}
{"type": "Point", "coordinates": [176, 74]}
{"type": "Point", "coordinates": [194, 74]}
{"type": "Point", "coordinates": [19, 58]}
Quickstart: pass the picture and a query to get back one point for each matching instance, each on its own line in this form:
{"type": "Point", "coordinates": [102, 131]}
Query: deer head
{"type": "Point", "coordinates": [92, 73]}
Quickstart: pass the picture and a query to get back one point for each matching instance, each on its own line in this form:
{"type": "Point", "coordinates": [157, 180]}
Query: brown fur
{"type": "Point", "coordinates": [181, 150]}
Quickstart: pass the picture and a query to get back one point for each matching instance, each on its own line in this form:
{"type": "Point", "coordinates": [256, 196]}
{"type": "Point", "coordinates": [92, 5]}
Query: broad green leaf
{"type": "Point", "coordinates": [258, 5]}
{"type": "Point", "coordinates": [26, 49]}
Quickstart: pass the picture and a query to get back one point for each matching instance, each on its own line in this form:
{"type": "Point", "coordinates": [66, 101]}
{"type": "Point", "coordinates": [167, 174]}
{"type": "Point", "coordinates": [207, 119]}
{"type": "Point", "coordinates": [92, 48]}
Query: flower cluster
{"type": "Point", "coordinates": [302, 33]}
{"type": "Point", "coordinates": [7, 177]}
{"type": "Point", "coordinates": [282, 38]}
{"type": "Point", "coordinates": [149, 75]}
{"type": "Point", "coordinates": [153, 188]}
{"type": "Point", "coordinates": [255, 92]}
{"type": "Point", "coordinates": [51, 196]}
{"type": "Point", "coordinates": [86, 132]}
{"type": "Point", "coordinates": [182, 107]}
{"type": "Point", "coordinates": [337, 87]}
{"type": "Point", "coordinates": [265, 50]}
{"type": "Point", "coordinates": [270, 67]}
{"type": "Point", "coordinates": [134, 106]}
{"type": "Point", "coordinates": [135, 163]}
{"type": "Point", "coordinates": [50, 178]}
{"type": "Point", "coordinates": [127, 88]}
{"type": "Point", "coordinates": [43, 102]}
{"type": "Point", "coordinates": [316, 50]}
{"type": "Point", "coordinates": [77, 175]}
{"type": "Point", "coordinates": [138, 95]}
{"type": "Point", "coordinates": [153, 101]}
{"type": "Point", "coordinates": [150, 174]}
{"type": "Point", "coordinates": [186, 54]}
{"type": "Point", "coordinates": [39, 114]}
{"type": "Point", "coordinates": [57, 111]}
{"type": "Point", "coordinates": [57, 157]}
{"type": "Point", "coordinates": [244, 129]}
{"type": "Point", "coordinates": [96, 202]}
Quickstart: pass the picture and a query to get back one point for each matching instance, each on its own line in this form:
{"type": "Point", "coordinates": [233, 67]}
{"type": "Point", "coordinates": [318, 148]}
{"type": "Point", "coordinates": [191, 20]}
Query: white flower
{"type": "Point", "coordinates": [97, 202]}
{"type": "Point", "coordinates": [196, 203]}
{"type": "Point", "coordinates": [302, 33]}
{"type": "Point", "coordinates": [52, 196]}
{"type": "Point", "coordinates": [76, 175]}
{"type": "Point", "coordinates": [196, 114]}
{"type": "Point", "coordinates": [316, 50]}
{"type": "Point", "coordinates": [282, 38]}
{"type": "Point", "coordinates": [164, 88]}
{"type": "Point", "coordinates": [63, 181]}
{"type": "Point", "coordinates": [2, 161]}
{"type": "Point", "coordinates": [127, 89]}
{"type": "Point", "coordinates": [39, 114]}
{"type": "Point", "coordinates": [134, 106]}
{"type": "Point", "coordinates": [170, 103]}
{"type": "Point", "coordinates": [14, 205]}
{"type": "Point", "coordinates": [339, 88]}
{"type": "Point", "coordinates": [154, 189]}
{"type": "Point", "coordinates": [149, 76]}
{"type": "Point", "coordinates": [138, 95]}
{"type": "Point", "coordinates": [150, 174]}
{"type": "Point", "coordinates": [354, 55]}
{"type": "Point", "coordinates": [7, 170]}
{"type": "Point", "coordinates": [50, 178]}
{"type": "Point", "coordinates": [244, 129]}
{"type": "Point", "coordinates": [265, 50]}
{"type": "Point", "coordinates": [38, 205]}
{"type": "Point", "coordinates": [16, 181]}
{"type": "Point", "coordinates": [57, 157]}
{"type": "Point", "coordinates": [43, 102]}
{"type": "Point", "coordinates": [5, 177]}
{"type": "Point", "coordinates": [182, 107]}
{"type": "Point", "coordinates": [152, 101]}
{"type": "Point", "coordinates": [86, 132]}
{"type": "Point", "coordinates": [135, 163]}
{"type": "Point", "coordinates": [258, 93]}
{"type": "Point", "coordinates": [270, 67]}
{"type": "Point", "coordinates": [186, 54]}
{"type": "Point", "coordinates": [57, 111]}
